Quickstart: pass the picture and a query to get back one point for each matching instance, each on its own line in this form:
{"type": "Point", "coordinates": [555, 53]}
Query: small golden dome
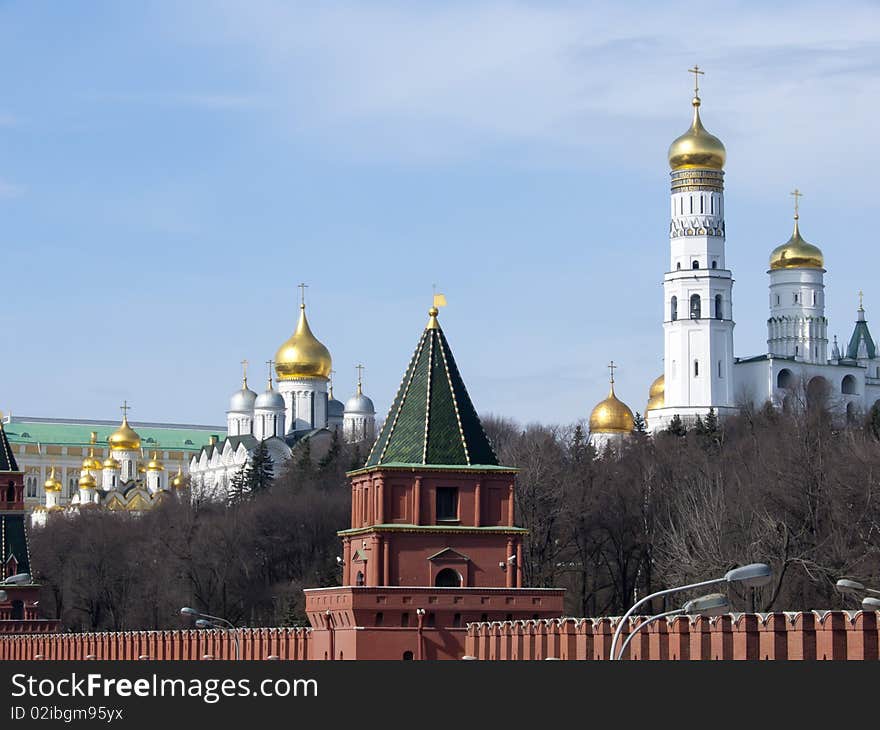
{"type": "Point", "coordinates": [696, 147]}
{"type": "Point", "coordinates": [124, 438]}
{"type": "Point", "coordinates": [111, 463]}
{"type": "Point", "coordinates": [87, 481]}
{"type": "Point", "coordinates": [611, 416]}
{"type": "Point", "coordinates": [796, 253]}
{"type": "Point", "coordinates": [178, 481]}
{"type": "Point", "coordinates": [52, 484]}
{"type": "Point", "coordinates": [155, 464]}
{"type": "Point", "coordinates": [656, 394]}
{"type": "Point", "coordinates": [302, 355]}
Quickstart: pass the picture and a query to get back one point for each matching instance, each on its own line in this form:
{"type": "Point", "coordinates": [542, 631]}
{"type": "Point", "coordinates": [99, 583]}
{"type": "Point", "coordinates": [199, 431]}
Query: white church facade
{"type": "Point", "coordinates": [700, 370]}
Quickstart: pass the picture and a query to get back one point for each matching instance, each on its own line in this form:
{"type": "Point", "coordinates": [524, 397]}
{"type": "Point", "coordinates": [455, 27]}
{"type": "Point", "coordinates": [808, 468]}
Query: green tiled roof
{"type": "Point", "coordinates": [861, 334]}
{"type": "Point", "coordinates": [169, 437]}
{"type": "Point", "coordinates": [432, 419]}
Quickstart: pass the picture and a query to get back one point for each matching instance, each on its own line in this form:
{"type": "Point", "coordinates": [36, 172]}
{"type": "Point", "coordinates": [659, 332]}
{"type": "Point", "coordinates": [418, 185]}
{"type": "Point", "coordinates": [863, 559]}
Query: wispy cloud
{"type": "Point", "coordinates": [10, 189]}
{"type": "Point", "coordinates": [605, 80]}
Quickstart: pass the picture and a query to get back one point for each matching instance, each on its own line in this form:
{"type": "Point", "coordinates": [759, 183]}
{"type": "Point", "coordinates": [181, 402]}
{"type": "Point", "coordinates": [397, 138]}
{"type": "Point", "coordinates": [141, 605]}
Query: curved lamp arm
{"type": "Point", "coordinates": [666, 592]}
{"type": "Point", "coordinates": [673, 612]}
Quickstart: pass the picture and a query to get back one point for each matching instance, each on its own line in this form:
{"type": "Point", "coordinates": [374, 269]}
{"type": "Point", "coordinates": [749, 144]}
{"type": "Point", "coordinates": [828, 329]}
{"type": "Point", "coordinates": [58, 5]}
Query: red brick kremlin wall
{"type": "Point", "coordinates": [810, 635]}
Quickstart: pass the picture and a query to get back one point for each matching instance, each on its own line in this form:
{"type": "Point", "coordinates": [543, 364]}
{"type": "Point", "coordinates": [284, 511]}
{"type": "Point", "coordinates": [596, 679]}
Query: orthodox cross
{"type": "Point", "coordinates": [360, 369]}
{"type": "Point", "coordinates": [861, 294]}
{"type": "Point", "coordinates": [302, 297]}
{"type": "Point", "coordinates": [269, 364]}
{"type": "Point", "coordinates": [244, 364]}
{"type": "Point", "coordinates": [125, 408]}
{"type": "Point", "coordinates": [612, 367]}
{"type": "Point", "coordinates": [797, 195]}
{"type": "Point", "coordinates": [697, 73]}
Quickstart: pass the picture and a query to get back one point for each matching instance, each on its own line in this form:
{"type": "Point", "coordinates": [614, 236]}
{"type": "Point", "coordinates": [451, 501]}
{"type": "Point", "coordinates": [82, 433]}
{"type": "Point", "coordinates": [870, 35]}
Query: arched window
{"type": "Point", "coordinates": [695, 265]}
{"type": "Point", "coordinates": [673, 309]}
{"type": "Point", "coordinates": [718, 307]}
{"type": "Point", "coordinates": [714, 264]}
{"type": "Point", "coordinates": [359, 579]}
{"type": "Point", "coordinates": [448, 578]}
{"type": "Point", "coordinates": [407, 656]}
{"type": "Point", "coordinates": [696, 309]}
{"type": "Point", "coordinates": [10, 493]}
{"type": "Point", "coordinates": [18, 610]}
{"type": "Point", "coordinates": [850, 412]}
{"type": "Point", "coordinates": [785, 379]}
{"type": "Point", "coordinates": [848, 386]}
{"type": "Point", "coordinates": [696, 368]}
{"type": "Point", "coordinates": [678, 265]}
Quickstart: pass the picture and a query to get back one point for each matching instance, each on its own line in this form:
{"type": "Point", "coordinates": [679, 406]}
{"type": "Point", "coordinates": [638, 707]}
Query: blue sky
{"type": "Point", "coordinates": [170, 171]}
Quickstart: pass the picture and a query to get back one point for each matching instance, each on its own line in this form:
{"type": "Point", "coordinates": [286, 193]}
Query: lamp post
{"type": "Point", "coordinates": [206, 621]}
{"type": "Point", "coordinates": [871, 604]}
{"type": "Point", "coordinates": [713, 604]}
{"type": "Point", "coordinates": [751, 575]}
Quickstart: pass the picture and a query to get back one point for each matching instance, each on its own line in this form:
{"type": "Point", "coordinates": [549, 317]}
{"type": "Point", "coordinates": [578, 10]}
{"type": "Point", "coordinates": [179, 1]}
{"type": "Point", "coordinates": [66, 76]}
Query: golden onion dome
{"type": "Point", "coordinates": [155, 464]}
{"type": "Point", "coordinates": [656, 394]}
{"type": "Point", "coordinates": [302, 355]}
{"type": "Point", "coordinates": [178, 481]}
{"type": "Point", "coordinates": [796, 253]}
{"type": "Point", "coordinates": [52, 484]}
{"type": "Point", "coordinates": [124, 438]}
{"type": "Point", "coordinates": [111, 463]}
{"type": "Point", "coordinates": [611, 416]}
{"type": "Point", "coordinates": [696, 147]}
{"type": "Point", "coordinates": [87, 481]}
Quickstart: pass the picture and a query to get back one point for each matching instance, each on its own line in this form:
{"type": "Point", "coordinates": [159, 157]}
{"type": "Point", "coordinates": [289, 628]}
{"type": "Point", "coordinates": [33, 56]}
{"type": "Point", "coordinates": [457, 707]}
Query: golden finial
{"type": "Point", "coordinates": [797, 196]}
{"type": "Point", "coordinates": [125, 408]}
{"type": "Point", "coordinates": [302, 286]}
{"type": "Point", "coordinates": [439, 301]}
{"type": "Point", "coordinates": [244, 365]}
{"type": "Point", "coordinates": [612, 367]}
{"type": "Point", "coordinates": [360, 369]}
{"type": "Point", "coordinates": [697, 73]}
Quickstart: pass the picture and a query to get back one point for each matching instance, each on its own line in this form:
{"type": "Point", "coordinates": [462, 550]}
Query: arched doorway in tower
{"type": "Point", "coordinates": [448, 578]}
{"type": "Point", "coordinates": [851, 413]}
{"type": "Point", "coordinates": [848, 385]}
{"type": "Point", "coordinates": [785, 379]}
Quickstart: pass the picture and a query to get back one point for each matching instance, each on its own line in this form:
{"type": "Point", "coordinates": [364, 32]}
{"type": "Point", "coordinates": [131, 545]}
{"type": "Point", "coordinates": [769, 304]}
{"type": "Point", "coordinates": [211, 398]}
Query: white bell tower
{"type": "Point", "coordinates": [697, 289]}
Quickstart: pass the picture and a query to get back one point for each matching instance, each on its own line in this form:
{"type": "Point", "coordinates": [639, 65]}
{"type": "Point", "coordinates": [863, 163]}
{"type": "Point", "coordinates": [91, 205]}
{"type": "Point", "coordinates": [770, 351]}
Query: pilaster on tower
{"type": "Point", "coordinates": [697, 288]}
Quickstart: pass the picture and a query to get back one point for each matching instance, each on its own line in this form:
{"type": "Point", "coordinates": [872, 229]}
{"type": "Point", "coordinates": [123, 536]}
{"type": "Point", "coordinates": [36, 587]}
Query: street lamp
{"type": "Point", "coordinates": [853, 588]}
{"type": "Point", "coordinates": [871, 604]}
{"type": "Point", "coordinates": [713, 604]}
{"type": "Point", "coordinates": [206, 621]}
{"type": "Point", "coordinates": [16, 580]}
{"type": "Point", "coordinates": [751, 575]}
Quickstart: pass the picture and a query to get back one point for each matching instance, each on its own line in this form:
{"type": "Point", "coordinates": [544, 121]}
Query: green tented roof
{"type": "Point", "coordinates": [7, 457]}
{"type": "Point", "coordinates": [170, 437]}
{"type": "Point", "coordinates": [432, 419]}
{"type": "Point", "coordinates": [13, 541]}
{"type": "Point", "coordinates": [861, 334]}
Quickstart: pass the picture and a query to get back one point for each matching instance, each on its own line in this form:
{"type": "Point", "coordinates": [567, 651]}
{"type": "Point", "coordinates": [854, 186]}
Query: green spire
{"type": "Point", "coordinates": [432, 419]}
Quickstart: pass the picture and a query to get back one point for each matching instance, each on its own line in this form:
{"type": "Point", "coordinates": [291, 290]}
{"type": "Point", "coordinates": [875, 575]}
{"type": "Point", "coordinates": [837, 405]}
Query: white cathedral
{"type": "Point", "coordinates": [301, 409]}
{"type": "Point", "coordinates": [700, 371]}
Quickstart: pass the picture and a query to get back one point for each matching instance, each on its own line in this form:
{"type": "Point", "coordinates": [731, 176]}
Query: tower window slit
{"type": "Point", "coordinates": [696, 368]}
{"type": "Point", "coordinates": [701, 204]}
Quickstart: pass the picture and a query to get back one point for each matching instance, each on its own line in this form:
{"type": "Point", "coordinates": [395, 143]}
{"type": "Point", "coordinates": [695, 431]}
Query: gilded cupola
{"type": "Point", "coordinates": [696, 148]}
{"type": "Point", "coordinates": [303, 355]}
{"type": "Point", "coordinates": [124, 438]}
{"type": "Point", "coordinates": [155, 464]}
{"type": "Point", "coordinates": [796, 253]}
{"type": "Point", "coordinates": [178, 481]}
{"type": "Point", "coordinates": [90, 462]}
{"type": "Point", "coordinates": [52, 484]}
{"type": "Point", "coordinates": [656, 394]}
{"type": "Point", "coordinates": [87, 481]}
{"type": "Point", "coordinates": [611, 415]}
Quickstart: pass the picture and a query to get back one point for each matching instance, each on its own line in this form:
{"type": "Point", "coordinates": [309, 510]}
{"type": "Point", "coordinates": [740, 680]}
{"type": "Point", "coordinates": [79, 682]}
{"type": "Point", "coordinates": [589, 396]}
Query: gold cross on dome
{"type": "Point", "coordinates": [125, 408]}
{"type": "Point", "coordinates": [360, 369]}
{"type": "Point", "coordinates": [697, 73]}
{"type": "Point", "coordinates": [612, 367]}
{"type": "Point", "coordinates": [797, 196]}
{"type": "Point", "coordinates": [302, 296]}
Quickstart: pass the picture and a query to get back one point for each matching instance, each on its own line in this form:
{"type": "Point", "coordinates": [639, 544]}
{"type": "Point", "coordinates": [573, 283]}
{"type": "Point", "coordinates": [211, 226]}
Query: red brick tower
{"type": "Point", "coordinates": [18, 609]}
{"type": "Point", "coordinates": [432, 544]}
